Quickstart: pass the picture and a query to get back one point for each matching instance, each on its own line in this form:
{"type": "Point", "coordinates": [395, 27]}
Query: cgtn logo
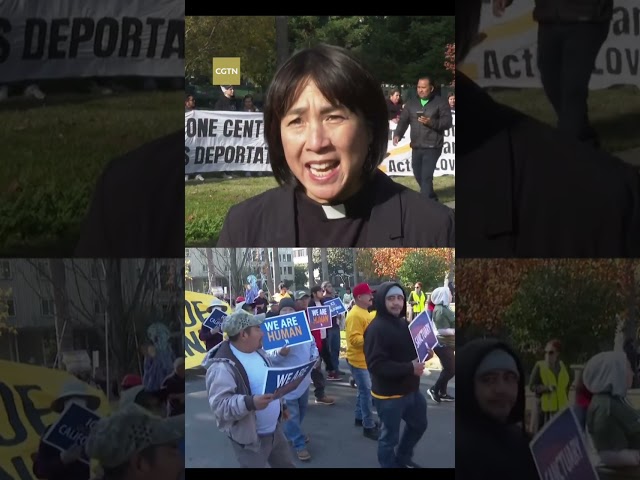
{"type": "Point", "coordinates": [226, 71]}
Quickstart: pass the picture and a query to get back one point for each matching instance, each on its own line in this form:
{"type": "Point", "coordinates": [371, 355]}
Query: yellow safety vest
{"type": "Point", "coordinates": [558, 399]}
{"type": "Point", "coordinates": [420, 301]}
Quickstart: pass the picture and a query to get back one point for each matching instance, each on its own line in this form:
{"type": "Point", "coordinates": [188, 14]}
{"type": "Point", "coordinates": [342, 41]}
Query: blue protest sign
{"type": "Point", "coordinates": [72, 428]}
{"type": "Point", "coordinates": [288, 329]}
{"type": "Point", "coordinates": [337, 307]}
{"type": "Point", "coordinates": [215, 319]}
{"type": "Point", "coordinates": [423, 334]}
{"type": "Point", "coordinates": [559, 450]}
{"type": "Point", "coordinates": [319, 317]}
{"type": "Point", "coordinates": [281, 381]}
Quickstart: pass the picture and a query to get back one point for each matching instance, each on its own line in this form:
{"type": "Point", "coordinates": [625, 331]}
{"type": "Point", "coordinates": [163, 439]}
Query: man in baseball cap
{"type": "Point", "coordinates": [235, 378]}
{"type": "Point", "coordinates": [358, 319]}
{"type": "Point", "coordinates": [135, 445]}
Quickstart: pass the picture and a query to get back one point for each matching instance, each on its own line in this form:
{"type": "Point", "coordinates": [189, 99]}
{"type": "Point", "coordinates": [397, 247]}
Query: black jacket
{"type": "Point", "coordinates": [400, 218]}
{"type": "Point", "coordinates": [138, 205]}
{"type": "Point", "coordinates": [225, 103]}
{"type": "Point", "coordinates": [562, 11]}
{"type": "Point", "coordinates": [389, 350]}
{"type": "Point", "coordinates": [423, 136]}
{"type": "Point", "coordinates": [525, 190]}
{"type": "Point", "coordinates": [490, 450]}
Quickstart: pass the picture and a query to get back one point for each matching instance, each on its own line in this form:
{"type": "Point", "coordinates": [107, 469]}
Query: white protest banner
{"type": "Point", "coordinates": [71, 39]}
{"type": "Point", "coordinates": [506, 54]}
{"type": "Point", "coordinates": [398, 162]}
{"type": "Point", "coordinates": [217, 141]}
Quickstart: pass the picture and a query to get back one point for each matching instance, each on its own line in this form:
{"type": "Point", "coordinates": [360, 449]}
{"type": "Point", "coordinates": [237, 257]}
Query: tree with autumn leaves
{"type": "Point", "coordinates": [450, 61]}
{"type": "Point", "coordinates": [590, 305]}
{"type": "Point", "coordinates": [409, 265]}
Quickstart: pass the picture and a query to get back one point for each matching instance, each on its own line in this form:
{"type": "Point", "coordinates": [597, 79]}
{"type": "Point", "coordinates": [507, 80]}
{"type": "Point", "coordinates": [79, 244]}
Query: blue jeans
{"type": "Point", "coordinates": [333, 335]}
{"type": "Point", "coordinates": [293, 426]}
{"type": "Point", "coordinates": [364, 407]}
{"type": "Point", "coordinates": [411, 408]}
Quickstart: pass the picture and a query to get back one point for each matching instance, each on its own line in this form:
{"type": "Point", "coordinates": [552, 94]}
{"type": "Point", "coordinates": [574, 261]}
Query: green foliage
{"type": "Point", "coordinates": [337, 259]}
{"type": "Point", "coordinates": [578, 310]}
{"type": "Point", "coordinates": [300, 276]}
{"type": "Point", "coordinates": [419, 267]}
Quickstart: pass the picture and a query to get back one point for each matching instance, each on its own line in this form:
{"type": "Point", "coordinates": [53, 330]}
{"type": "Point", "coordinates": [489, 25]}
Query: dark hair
{"type": "Point", "coordinates": [281, 286]}
{"type": "Point", "coordinates": [188, 96]}
{"type": "Point", "coordinates": [315, 289]}
{"type": "Point", "coordinates": [393, 91]}
{"type": "Point", "coordinates": [248, 96]}
{"type": "Point", "coordinates": [343, 80]}
{"type": "Point", "coordinates": [451, 94]}
{"type": "Point", "coordinates": [555, 343]}
{"type": "Point", "coordinates": [467, 26]}
{"type": "Point", "coordinates": [428, 79]}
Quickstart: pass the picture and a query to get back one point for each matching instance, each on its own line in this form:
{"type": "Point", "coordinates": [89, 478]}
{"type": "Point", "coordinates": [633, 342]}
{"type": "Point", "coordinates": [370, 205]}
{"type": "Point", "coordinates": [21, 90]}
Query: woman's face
{"type": "Point", "coordinates": [550, 353]}
{"type": "Point", "coordinates": [395, 98]}
{"type": "Point", "coordinates": [325, 146]}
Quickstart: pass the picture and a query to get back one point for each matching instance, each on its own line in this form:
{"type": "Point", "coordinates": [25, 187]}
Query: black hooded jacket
{"type": "Point", "coordinates": [389, 350]}
{"type": "Point", "coordinates": [488, 449]}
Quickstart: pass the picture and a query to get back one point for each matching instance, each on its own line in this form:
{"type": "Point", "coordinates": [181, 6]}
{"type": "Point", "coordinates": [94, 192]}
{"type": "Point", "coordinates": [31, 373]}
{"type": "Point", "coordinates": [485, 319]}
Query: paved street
{"type": "Point", "coordinates": [335, 441]}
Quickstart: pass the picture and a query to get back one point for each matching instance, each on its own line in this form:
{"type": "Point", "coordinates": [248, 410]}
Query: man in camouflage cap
{"type": "Point", "coordinates": [235, 380]}
{"type": "Point", "coordinates": [131, 444]}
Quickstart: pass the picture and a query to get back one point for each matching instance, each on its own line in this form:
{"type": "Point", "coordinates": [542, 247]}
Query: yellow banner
{"type": "Point", "coordinates": [195, 305]}
{"type": "Point", "coordinates": [26, 392]}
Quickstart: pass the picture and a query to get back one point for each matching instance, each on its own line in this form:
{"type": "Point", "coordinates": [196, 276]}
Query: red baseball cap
{"type": "Point", "coordinates": [239, 299]}
{"type": "Point", "coordinates": [362, 289]}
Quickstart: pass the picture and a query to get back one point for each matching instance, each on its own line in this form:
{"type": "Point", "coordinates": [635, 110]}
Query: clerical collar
{"type": "Point", "coordinates": [334, 212]}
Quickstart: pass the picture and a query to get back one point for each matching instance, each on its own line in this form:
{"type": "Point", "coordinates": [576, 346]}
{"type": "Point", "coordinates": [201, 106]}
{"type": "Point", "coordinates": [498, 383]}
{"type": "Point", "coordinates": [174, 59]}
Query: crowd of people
{"type": "Point", "coordinates": [143, 438]}
{"type": "Point", "coordinates": [492, 431]}
{"type": "Point", "coordinates": [380, 353]}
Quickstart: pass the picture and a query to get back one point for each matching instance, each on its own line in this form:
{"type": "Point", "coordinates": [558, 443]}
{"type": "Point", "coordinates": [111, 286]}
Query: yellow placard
{"type": "Point", "coordinates": [26, 392]}
{"type": "Point", "coordinates": [195, 306]}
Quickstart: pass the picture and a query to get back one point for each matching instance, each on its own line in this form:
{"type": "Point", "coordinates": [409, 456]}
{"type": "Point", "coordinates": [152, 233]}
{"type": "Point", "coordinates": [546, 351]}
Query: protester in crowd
{"type": "Point", "coordinates": [612, 422]}
{"type": "Point", "coordinates": [326, 163]}
{"type": "Point", "coordinates": [261, 302]}
{"type": "Point", "coordinates": [394, 105]}
{"type": "Point", "coordinates": [173, 389]}
{"type": "Point", "coordinates": [333, 333]}
{"type": "Point", "coordinates": [452, 102]}
{"type": "Point", "coordinates": [445, 322]}
{"type": "Point", "coordinates": [429, 117]}
{"type": "Point", "coordinates": [519, 209]}
{"type": "Point", "coordinates": [317, 377]}
{"type": "Point", "coordinates": [347, 298]}
{"type": "Point", "coordinates": [156, 367]}
{"type": "Point", "coordinates": [570, 36]}
{"type": "Point", "coordinates": [134, 445]}
{"type": "Point", "coordinates": [248, 105]}
{"type": "Point", "coordinates": [251, 421]}
{"type": "Point", "coordinates": [274, 309]}
{"type": "Point", "coordinates": [357, 322]}
{"type": "Point", "coordinates": [283, 292]}
{"type": "Point", "coordinates": [395, 371]}
{"type": "Point", "coordinates": [227, 101]}
{"type": "Point", "coordinates": [325, 352]}
{"type": "Point", "coordinates": [189, 103]}
{"type": "Point", "coordinates": [490, 432]}
{"type": "Point", "coordinates": [52, 464]}
{"type": "Point", "coordinates": [297, 400]}
{"type": "Point", "coordinates": [212, 337]}
{"type": "Point", "coordinates": [417, 299]}
{"type": "Point", "coordinates": [550, 381]}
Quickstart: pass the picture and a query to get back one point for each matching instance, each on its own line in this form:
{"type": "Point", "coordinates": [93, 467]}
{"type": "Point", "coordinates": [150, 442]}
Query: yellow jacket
{"type": "Point", "coordinates": [358, 319]}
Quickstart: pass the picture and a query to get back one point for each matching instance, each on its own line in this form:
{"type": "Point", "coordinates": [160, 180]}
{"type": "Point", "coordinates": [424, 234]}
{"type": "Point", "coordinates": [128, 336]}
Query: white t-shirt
{"type": "Point", "coordinates": [256, 368]}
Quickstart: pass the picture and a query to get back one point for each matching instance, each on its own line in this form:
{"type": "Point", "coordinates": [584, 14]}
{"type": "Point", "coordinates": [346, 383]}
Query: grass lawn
{"type": "Point", "coordinates": [614, 112]}
{"type": "Point", "coordinates": [53, 153]}
{"type": "Point", "coordinates": [207, 204]}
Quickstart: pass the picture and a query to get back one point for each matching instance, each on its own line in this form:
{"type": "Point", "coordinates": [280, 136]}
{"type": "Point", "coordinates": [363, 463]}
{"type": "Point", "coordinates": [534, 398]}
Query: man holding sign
{"type": "Point", "coordinates": [235, 382]}
{"type": "Point", "coordinates": [395, 378]}
{"type": "Point", "coordinates": [295, 387]}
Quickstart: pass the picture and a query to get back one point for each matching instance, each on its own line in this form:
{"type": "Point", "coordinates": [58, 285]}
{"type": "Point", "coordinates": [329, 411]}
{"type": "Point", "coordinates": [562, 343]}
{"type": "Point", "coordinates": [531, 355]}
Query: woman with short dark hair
{"type": "Point", "coordinates": [326, 125]}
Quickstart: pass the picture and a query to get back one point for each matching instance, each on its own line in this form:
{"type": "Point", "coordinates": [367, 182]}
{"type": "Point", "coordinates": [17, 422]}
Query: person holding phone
{"type": "Point", "coordinates": [429, 116]}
